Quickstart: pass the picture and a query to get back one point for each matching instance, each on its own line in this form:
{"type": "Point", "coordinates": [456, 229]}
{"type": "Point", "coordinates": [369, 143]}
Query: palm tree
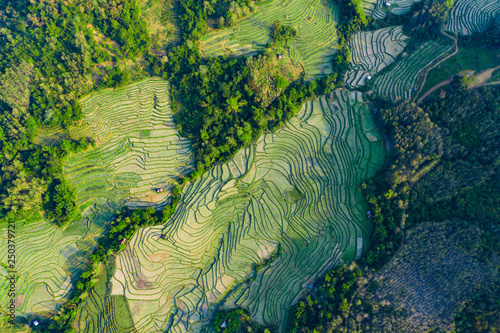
{"type": "Point", "coordinates": [233, 104]}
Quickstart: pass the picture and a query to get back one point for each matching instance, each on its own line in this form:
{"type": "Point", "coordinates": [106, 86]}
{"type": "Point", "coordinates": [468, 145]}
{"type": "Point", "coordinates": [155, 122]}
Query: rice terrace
{"type": "Point", "coordinates": [265, 166]}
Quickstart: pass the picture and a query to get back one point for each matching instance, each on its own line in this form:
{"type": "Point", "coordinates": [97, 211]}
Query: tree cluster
{"type": "Point", "coordinates": [238, 321]}
{"type": "Point", "coordinates": [48, 54]}
{"type": "Point", "coordinates": [281, 34]}
{"type": "Point", "coordinates": [426, 22]}
{"type": "Point", "coordinates": [326, 308]}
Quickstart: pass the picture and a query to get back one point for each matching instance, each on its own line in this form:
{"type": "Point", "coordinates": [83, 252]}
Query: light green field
{"type": "Point", "coordinates": [139, 149]}
{"type": "Point", "coordinates": [104, 313]}
{"type": "Point", "coordinates": [46, 259]}
{"type": "Point", "coordinates": [371, 52]}
{"type": "Point", "coordinates": [400, 79]}
{"type": "Point", "coordinates": [297, 190]}
{"type": "Point", "coordinates": [314, 46]}
{"type": "Point", "coordinates": [470, 16]}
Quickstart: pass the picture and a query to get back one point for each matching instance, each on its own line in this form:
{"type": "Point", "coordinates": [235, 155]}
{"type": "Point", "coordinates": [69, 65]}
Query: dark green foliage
{"type": "Point", "coordinates": [115, 78]}
{"type": "Point", "coordinates": [326, 307]}
{"type": "Point", "coordinates": [48, 54]}
{"type": "Point", "coordinates": [481, 314]}
{"type": "Point", "coordinates": [60, 202]}
{"type": "Point", "coordinates": [281, 34]}
{"type": "Point", "coordinates": [427, 21]}
{"type": "Point", "coordinates": [121, 21]}
{"type": "Point", "coordinates": [237, 321]}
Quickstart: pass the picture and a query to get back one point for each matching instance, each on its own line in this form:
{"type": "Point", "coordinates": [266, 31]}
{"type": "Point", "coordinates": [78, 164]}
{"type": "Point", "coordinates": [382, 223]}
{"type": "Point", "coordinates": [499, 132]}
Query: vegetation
{"type": "Point", "coordinates": [442, 168]}
{"type": "Point", "coordinates": [480, 314]}
{"type": "Point", "coordinates": [281, 34]}
{"type": "Point", "coordinates": [427, 22]}
{"type": "Point", "coordinates": [475, 53]}
{"type": "Point", "coordinates": [313, 49]}
{"type": "Point", "coordinates": [49, 53]}
{"type": "Point", "coordinates": [123, 227]}
{"type": "Point", "coordinates": [324, 309]}
{"type": "Point", "coordinates": [352, 19]}
{"type": "Point", "coordinates": [237, 321]}
{"type": "Point", "coordinates": [465, 183]}
{"type": "Point", "coordinates": [213, 101]}
{"type": "Point", "coordinates": [195, 240]}
{"type": "Point", "coordinates": [444, 155]}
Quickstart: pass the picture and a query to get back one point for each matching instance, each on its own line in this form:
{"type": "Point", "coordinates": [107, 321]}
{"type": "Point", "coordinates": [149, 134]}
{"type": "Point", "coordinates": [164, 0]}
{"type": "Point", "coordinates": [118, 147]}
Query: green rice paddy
{"type": "Point", "coordinates": [314, 46]}
{"type": "Point", "coordinates": [139, 150]}
{"type": "Point", "coordinates": [373, 51]}
{"type": "Point", "coordinates": [399, 81]}
{"type": "Point", "coordinates": [295, 193]}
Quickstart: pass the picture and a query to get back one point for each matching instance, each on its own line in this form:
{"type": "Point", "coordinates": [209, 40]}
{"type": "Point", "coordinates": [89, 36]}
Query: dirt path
{"type": "Point", "coordinates": [488, 84]}
{"type": "Point", "coordinates": [484, 76]}
{"type": "Point", "coordinates": [436, 64]}
{"type": "Point", "coordinates": [430, 91]}
{"type": "Point", "coordinates": [481, 79]}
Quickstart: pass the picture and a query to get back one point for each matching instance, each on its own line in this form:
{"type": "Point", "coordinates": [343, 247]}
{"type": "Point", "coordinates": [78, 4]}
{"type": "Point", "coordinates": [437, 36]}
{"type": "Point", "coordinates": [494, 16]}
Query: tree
{"type": "Point", "coordinates": [233, 104]}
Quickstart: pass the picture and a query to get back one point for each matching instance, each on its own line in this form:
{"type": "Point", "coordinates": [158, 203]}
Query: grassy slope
{"type": "Point", "coordinates": [237, 214]}
{"type": "Point", "coordinates": [314, 46]}
{"type": "Point", "coordinates": [465, 59]}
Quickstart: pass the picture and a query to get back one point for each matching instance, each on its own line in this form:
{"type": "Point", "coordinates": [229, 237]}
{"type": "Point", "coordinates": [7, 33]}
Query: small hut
{"type": "Point", "coordinates": [281, 56]}
{"type": "Point", "coordinates": [369, 214]}
{"type": "Point", "coordinates": [159, 190]}
{"type": "Point", "coordinates": [369, 77]}
{"type": "Point", "coordinates": [330, 95]}
{"type": "Point", "coordinates": [163, 236]}
{"type": "Point", "coordinates": [124, 241]}
{"type": "Point", "coordinates": [388, 4]}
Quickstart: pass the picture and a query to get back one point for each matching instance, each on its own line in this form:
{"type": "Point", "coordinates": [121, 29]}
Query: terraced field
{"type": "Point", "coordinates": [400, 79]}
{"type": "Point", "coordinates": [470, 16]}
{"type": "Point", "coordinates": [373, 51]}
{"type": "Point", "coordinates": [295, 192]}
{"type": "Point", "coordinates": [46, 259]}
{"type": "Point", "coordinates": [314, 46]}
{"type": "Point", "coordinates": [139, 150]}
{"type": "Point", "coordinates": [104, 313]}
{"type": "Point", "coordinates": [378, 8]}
